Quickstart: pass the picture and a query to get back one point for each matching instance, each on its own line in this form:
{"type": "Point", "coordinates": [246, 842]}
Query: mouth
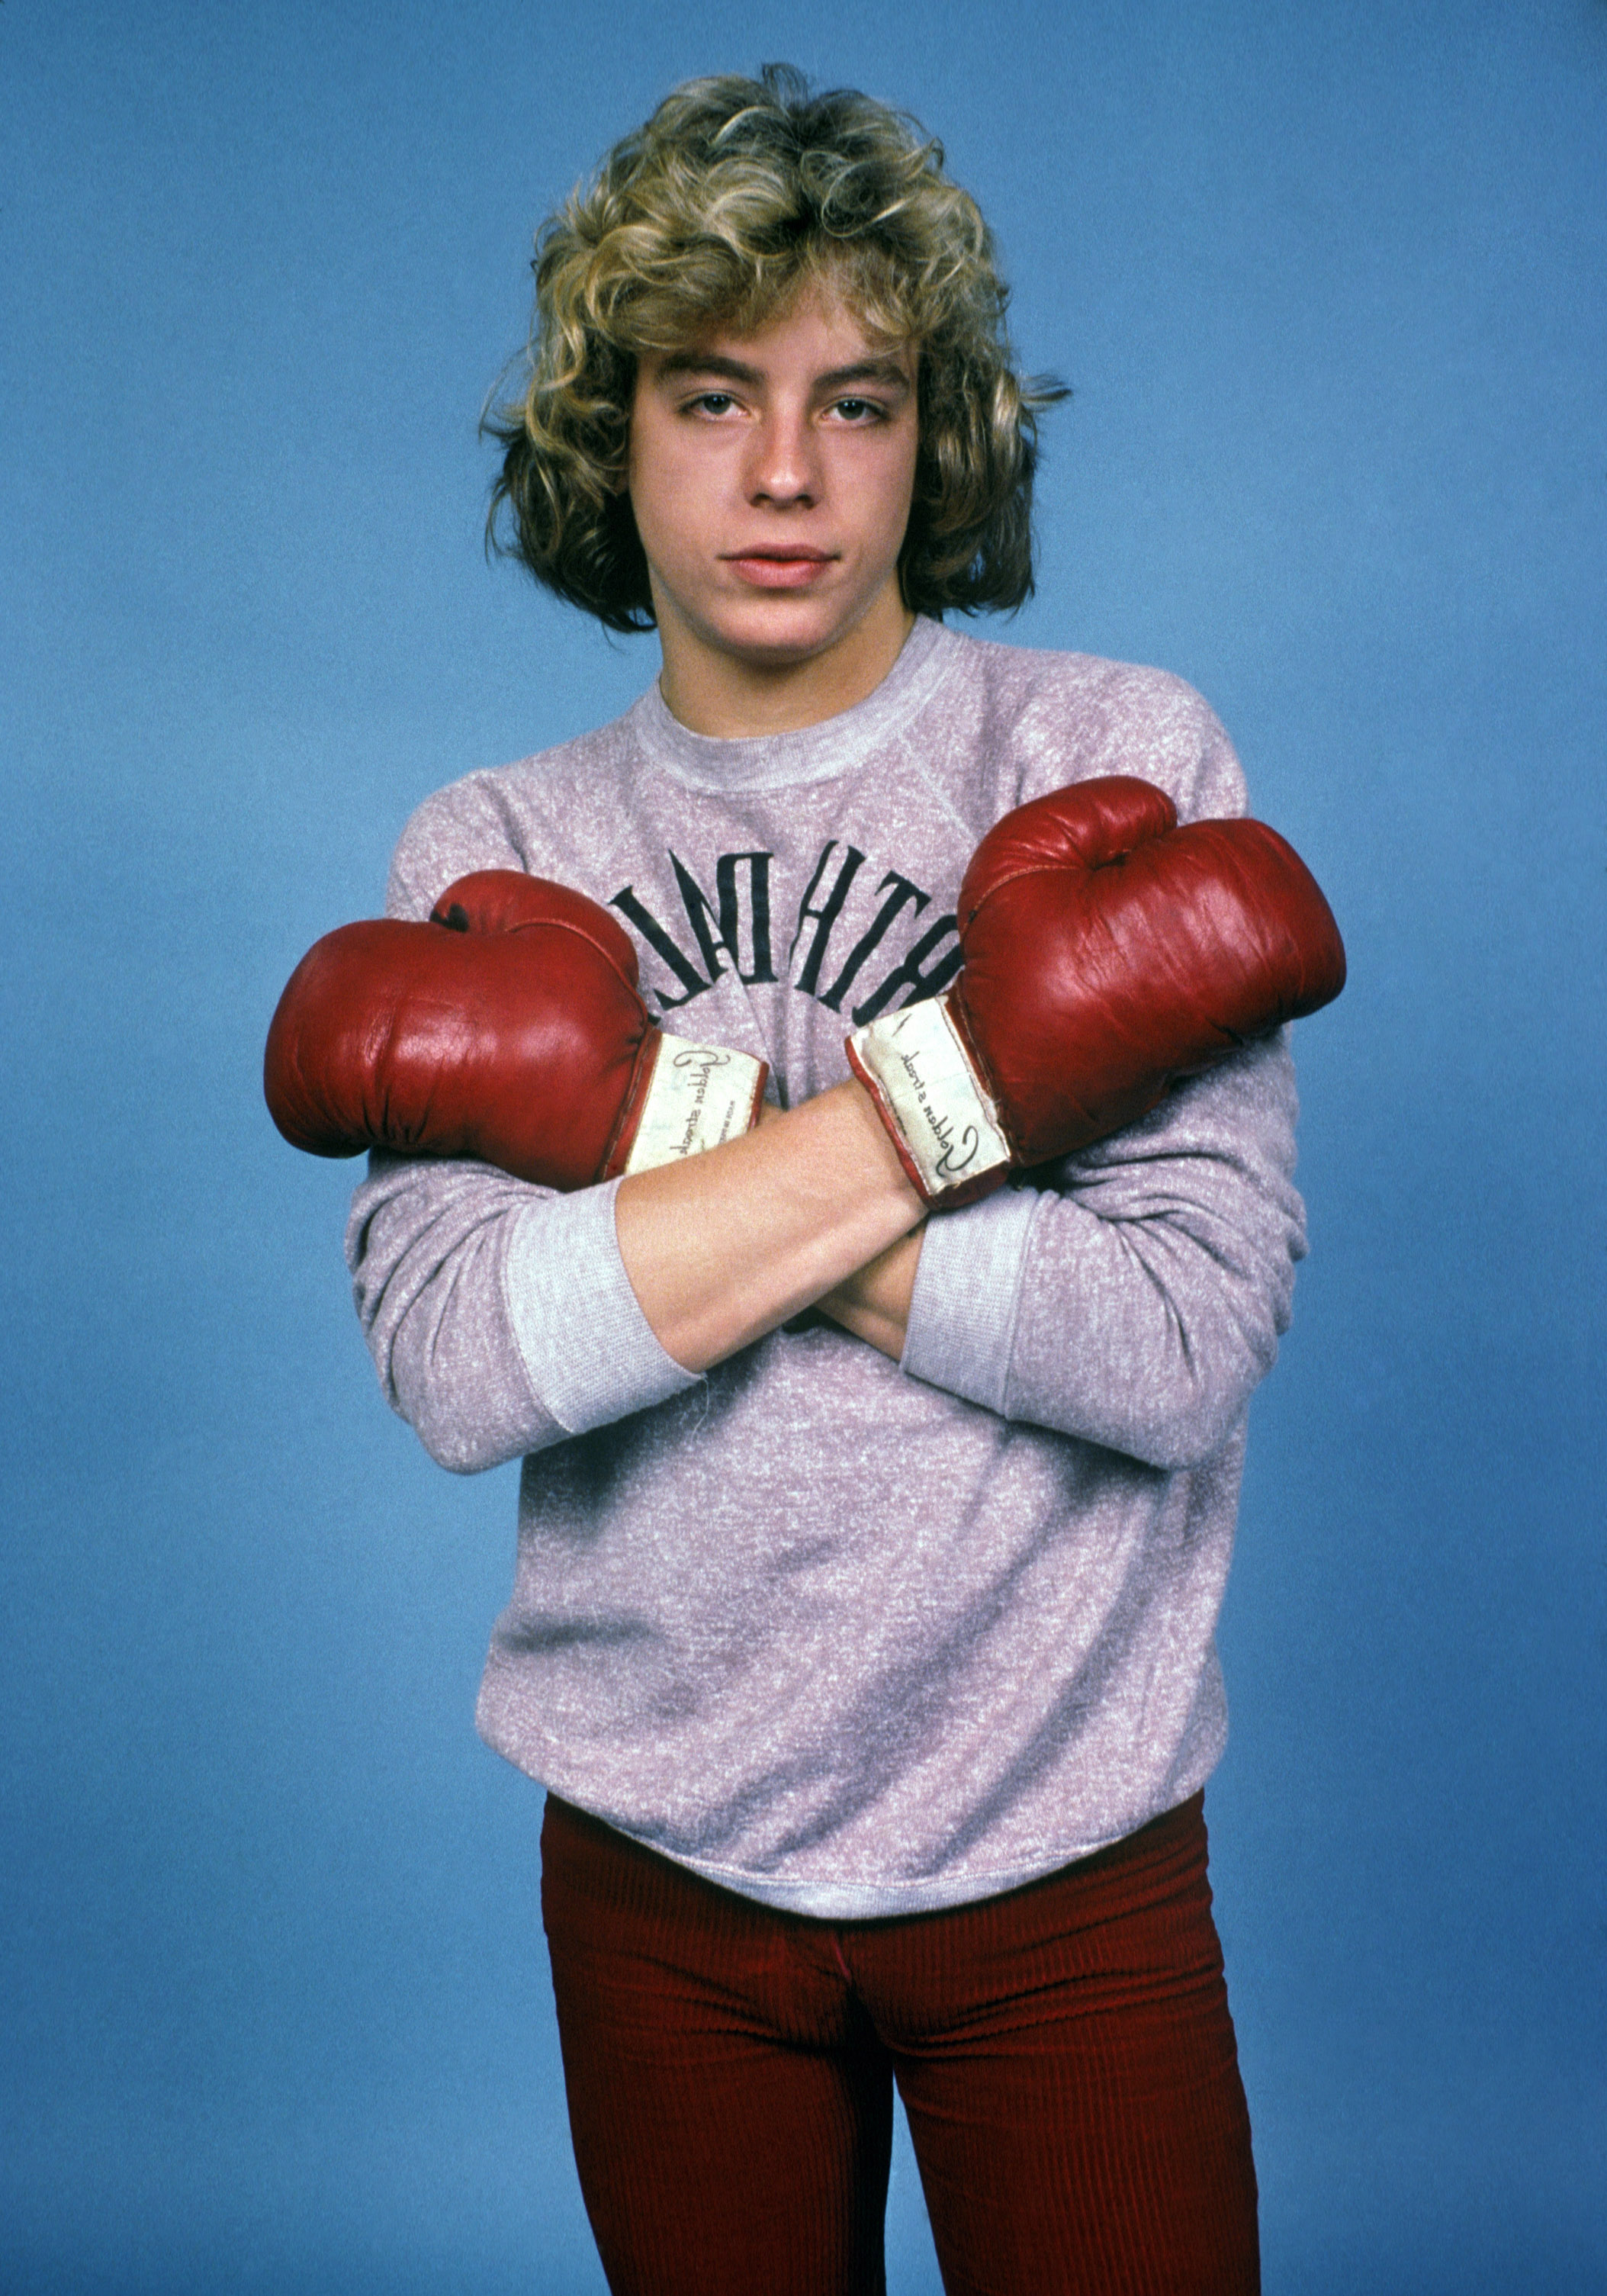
{"type": "Point", "coordinates": [780, 565]}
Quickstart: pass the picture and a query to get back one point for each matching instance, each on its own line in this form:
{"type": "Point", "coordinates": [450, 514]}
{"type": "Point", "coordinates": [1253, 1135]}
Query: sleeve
{"type": "Point", "coordinates": [1137, 1302]}
{"type": "Point", "coordinates": [498, 1315]}
{"type": "Point", "coordinates": [1135, 1295]}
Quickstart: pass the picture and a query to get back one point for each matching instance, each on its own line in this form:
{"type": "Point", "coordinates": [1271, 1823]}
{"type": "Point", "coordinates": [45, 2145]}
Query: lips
{"type": "Point", "coordinates": [779, 566]}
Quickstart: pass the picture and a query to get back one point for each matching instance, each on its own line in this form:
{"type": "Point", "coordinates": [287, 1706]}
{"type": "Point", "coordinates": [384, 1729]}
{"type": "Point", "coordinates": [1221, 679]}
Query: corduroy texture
{"type": "Point", "coordinates": [1065, 2055]}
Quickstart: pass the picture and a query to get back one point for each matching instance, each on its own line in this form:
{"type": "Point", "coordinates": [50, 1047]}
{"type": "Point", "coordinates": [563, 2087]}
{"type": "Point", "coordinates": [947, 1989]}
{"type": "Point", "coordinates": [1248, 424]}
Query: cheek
{"type": "Point", "coordinates": [668, 490]}
{"type": "Point", "coordinates": [651, 493]}
{"type": "Point", "coordinates": [895, 497]}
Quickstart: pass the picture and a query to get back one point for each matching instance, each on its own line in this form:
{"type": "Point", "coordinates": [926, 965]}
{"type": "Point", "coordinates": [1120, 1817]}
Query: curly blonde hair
{"type": "Point", "coordinates": [735, 195]}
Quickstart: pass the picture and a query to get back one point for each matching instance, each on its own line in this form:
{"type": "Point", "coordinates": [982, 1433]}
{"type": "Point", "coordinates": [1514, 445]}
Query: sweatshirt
{"type": "Point", "coordinates": [852, 1637]}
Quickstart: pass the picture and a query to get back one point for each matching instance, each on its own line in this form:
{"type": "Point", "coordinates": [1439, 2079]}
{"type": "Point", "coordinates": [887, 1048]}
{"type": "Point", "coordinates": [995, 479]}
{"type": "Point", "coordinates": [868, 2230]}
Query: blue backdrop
{"type": "Point", "coordinates": [1329, 280]}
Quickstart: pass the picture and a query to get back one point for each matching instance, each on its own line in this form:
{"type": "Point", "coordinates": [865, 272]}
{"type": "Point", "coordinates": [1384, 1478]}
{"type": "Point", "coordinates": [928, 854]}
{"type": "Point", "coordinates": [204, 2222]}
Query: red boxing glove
{"type": "Point", "coordinates": [510, 1028]}
{"type": "Point", "coordinates": [1108, 952]}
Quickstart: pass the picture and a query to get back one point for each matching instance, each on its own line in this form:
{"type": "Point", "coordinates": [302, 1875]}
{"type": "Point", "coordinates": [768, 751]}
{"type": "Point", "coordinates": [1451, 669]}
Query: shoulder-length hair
{"type": "Point", "coordinates": [734, 196]}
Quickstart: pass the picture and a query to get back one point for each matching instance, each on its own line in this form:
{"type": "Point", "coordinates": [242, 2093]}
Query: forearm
{"type": "Point", "coordinates": [724, 1246]}
{"type": "Point", "coordinates": [874, 1303]}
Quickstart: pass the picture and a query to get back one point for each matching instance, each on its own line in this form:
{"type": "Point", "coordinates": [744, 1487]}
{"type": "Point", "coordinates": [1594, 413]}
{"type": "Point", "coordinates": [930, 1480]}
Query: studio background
{"type": "Point", "coordinates": [1328, 281]}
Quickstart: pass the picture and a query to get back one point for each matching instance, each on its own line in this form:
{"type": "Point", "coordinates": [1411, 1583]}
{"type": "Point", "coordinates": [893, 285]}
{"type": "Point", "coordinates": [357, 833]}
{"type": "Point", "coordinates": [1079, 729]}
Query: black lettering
{"type": "Point", "coordinates": [824, 917]}
{"type": "Point", "coordinates": [700, 917]}
{"type": "Point", "coordinates": [719, 929]}
{"type": "Point", "coordinates": [924, 973]}
{"type": "Point", "coordinates": [654, 933]}
{"type": "Point", "coordinates": [759, 910]}
{"type": "Point", "coordinates": [902, 895]}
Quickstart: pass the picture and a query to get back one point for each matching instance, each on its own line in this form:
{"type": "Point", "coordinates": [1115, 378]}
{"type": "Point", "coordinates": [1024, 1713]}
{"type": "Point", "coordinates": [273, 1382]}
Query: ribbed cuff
{"type": "Point", "coordinates": [968, 1284]}
{"type": "Point", "coordinates": [588, 1349]}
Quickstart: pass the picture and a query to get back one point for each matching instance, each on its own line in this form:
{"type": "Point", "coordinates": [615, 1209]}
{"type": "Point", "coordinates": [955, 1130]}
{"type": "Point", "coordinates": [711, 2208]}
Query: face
{"type": "Point", "coordinates": [771, 477]}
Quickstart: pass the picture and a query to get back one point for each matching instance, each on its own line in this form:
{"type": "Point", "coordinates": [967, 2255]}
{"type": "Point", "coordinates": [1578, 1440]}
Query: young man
{"type": "Point", "coordinates": [869, 1548]}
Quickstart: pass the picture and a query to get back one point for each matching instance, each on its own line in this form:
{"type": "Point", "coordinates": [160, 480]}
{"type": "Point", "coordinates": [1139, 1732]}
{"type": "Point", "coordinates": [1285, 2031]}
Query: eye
{"type": "Point", "coordinates": [710, 402]}
{"type": "Point", "coordinates": [859, 410]}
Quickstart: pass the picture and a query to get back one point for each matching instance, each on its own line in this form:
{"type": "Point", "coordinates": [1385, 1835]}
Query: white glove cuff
{"type": "Point", "coordinates": [698, 1095]}
{"type": "Point", "coordinates": [940, 1116]}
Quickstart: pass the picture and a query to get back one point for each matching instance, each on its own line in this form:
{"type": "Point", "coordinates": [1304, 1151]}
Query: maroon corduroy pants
{"type": "Point", "coordinates": [1064, 2053]}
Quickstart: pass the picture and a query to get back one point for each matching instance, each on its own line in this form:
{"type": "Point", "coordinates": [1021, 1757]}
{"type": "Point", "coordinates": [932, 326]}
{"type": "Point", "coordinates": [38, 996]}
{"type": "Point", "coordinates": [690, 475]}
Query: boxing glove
{"type": "Point", "coordinates": [1108, 952]}
{"type": "Point", "coordinates": [509, 1028]}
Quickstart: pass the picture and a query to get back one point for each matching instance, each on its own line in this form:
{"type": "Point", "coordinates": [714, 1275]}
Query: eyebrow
{"type": "Point", "coordinates": [886, 372]}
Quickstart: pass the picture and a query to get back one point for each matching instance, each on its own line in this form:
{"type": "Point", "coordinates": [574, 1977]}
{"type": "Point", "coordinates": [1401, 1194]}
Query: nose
{"type": "Point", "coordinates": [784, 467]}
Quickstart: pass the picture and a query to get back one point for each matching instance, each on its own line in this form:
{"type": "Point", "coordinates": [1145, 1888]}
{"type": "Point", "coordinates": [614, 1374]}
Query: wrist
{"type": "Point", "coordinates": [878, 1155]}
{"type": "Point", "coordinates": [874, 1303]}
{"type": "Point", "coordinates": [720, 1249]}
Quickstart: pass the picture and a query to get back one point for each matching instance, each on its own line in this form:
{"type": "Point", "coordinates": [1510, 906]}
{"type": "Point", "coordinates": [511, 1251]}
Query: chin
{"type": "Point", "coordinates": [770, 638]}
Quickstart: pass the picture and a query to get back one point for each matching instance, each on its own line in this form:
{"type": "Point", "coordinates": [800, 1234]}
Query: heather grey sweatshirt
{"type": "Point", "coordinates": [852, 1637]}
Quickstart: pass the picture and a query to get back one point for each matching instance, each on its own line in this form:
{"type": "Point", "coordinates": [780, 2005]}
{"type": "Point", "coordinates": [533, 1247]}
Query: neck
{"type": "Point", "coordinates": [734, 696]}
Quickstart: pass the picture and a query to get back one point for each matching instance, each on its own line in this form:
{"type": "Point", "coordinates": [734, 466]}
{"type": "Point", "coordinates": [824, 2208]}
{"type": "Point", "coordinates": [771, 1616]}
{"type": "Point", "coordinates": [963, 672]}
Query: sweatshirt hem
{"type": "Point", "coordinates": [870, 1901]}
{"type": "Point", "coordinates": [851, 1900]}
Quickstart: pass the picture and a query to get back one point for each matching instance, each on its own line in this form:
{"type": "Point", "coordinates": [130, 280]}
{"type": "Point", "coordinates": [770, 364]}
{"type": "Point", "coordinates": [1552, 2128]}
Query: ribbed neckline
{"type": "Point", "coordinates": [816, 753]}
